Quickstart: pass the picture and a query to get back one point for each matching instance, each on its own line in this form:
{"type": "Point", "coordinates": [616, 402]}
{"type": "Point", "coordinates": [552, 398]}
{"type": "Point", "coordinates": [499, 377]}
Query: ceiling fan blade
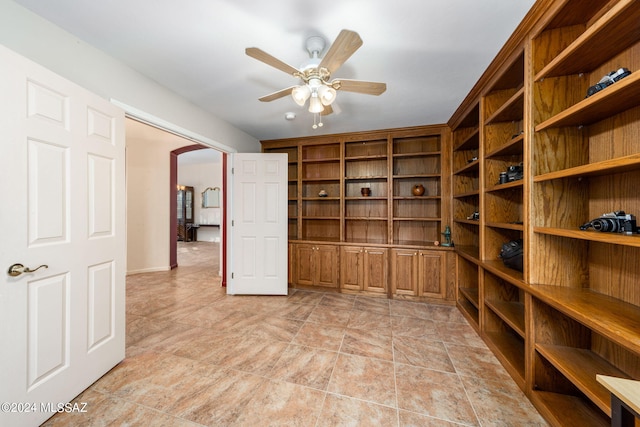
{"type": "Point", "coordinates": [327, 110]}
{"type": "Point", "coordinates": [342, 48]}
{"type": "Point", "coordinates": [276, 95]}
{"type": "Point", "coordinates": [263, 56]}
{"type": "Point", "coordinates": [369, 88]}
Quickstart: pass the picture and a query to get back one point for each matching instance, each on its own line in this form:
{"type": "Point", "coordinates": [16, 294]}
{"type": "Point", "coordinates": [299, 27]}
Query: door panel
{"type": "Point", "coordinates": [327, 266]}
{"type": "Point", "coordinates": [351, 268]}
{"type": "Point", "coordinates": [258, 224]}
{"type": "Point", "coordinates": [404, 272]}
{"type": "Point", "coordinates": [432, 274]}
{"type": "Point", "coordinates": [376, 262]}
{"type": "Point", "coordinates": [61, 327]}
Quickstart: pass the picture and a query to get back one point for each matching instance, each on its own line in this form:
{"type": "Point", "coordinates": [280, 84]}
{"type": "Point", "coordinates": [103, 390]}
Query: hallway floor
{"type": "Point", "coordinates": [197, 357]}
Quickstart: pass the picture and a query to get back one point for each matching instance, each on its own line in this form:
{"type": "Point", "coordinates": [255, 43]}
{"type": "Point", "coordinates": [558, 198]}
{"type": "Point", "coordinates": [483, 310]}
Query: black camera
{"type": "Point", "coordinates": [613, 222]}
{"type": "Point", "coordinates": [608, 80]}
{"type": "Point", "coordinates": [513, 173]}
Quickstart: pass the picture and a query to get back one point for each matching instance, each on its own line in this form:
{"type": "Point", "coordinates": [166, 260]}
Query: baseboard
{"type": "Point", "coordinates": [148, 270]}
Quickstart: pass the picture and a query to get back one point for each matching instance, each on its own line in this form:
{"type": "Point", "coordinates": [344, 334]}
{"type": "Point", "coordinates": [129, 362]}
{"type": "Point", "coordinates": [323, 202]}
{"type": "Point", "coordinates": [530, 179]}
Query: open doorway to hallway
{"type": "Point", "coordinates": [151, 192]}
{"type": "Point", "coordinates": [199, 178]}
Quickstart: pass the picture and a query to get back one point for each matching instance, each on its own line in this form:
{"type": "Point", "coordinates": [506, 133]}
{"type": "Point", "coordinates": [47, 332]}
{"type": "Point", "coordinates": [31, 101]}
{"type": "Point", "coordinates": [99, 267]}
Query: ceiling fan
{"type": "Point", "coordinates": [317, 85]}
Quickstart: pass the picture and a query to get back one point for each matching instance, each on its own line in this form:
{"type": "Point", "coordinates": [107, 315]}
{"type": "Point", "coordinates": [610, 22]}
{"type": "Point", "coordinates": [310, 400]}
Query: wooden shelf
{"type": "Point", "coordinates": [498, 268]}
{"type": "Point", "coordinates": [472, 295]}
{"type": "Point", "coordinates": [469, 311]}
{"type": "Point", "coordinates": [471, 253]}
{"type": "Point", "coordinates": [505, 186]}
{"type": "Point", "coordinates": [513, 147]}
{"type": "Point", "coordinates": [610, 101]}
{"type": "Point", "coordinates": [614, 32]}
{"type": "Point", "coordinates": [472, 167]}
{"type": "Point", "coordinates": [365, 178]}
{"type": "Point", "coordinates": [505, 225]}
{"type": "Point", "coordinates": [469, 142]}
{"type": "Point", "coordinates": [468, 194]}
{"type": "Point", "coordinates": [511, 312]}
{"type": "Point", "coordinates": [371, 157]}
{"type": "Point", "coordinates": [568, 411]}
{"type": "Point", "coordinates": [512, 110]}
{"type": "Point", "coordinates": [417, 154]}
{"type": "Point", "coordinates": [510, 351]}
{"type": "Point", "coordinates": [617, 320]}
{"type": "Point", "coordinates": [607, 167]}
{"type": "Point", "coordinates": [593, 236]}
{"type": "Point", "coordinates": [580, 366]}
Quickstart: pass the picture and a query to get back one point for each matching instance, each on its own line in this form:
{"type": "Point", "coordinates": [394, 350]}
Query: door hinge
{"type": "Point", "coordinates": [232, 275]}
{"type": "Point", "coordinates": [233, 223]}
{"type": "Point", "coordinates": [233, 170]}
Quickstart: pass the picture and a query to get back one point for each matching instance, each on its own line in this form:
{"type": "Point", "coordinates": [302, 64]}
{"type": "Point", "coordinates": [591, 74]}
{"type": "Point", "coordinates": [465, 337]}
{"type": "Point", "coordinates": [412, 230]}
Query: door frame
{"type": "Point", "coordinates": [173, 220]}
{"type": "Point", "coordinates": [199, 140]}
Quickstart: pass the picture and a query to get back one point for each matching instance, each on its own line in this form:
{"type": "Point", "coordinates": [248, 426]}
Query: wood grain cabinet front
{"type": "Point", "coordinates": [364, 269]}
{"type": "Point", "coordinates": [317, 265]}
{"type": "Point", "coordinates": [418, 273]}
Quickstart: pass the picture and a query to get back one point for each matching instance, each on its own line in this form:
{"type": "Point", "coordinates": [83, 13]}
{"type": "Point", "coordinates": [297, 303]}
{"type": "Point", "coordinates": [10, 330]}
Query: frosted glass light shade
{"type": "Point", "coordinates": [315, 105]}
{"type": "Point", "coordinates": [327, 95]}
{"type": "Point", "coordinates": [300, 94]}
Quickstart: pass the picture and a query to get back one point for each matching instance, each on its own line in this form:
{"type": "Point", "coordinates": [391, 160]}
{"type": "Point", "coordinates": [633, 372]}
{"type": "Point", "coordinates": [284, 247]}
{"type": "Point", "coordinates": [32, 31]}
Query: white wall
{"type": "Point", "coordinates": [148, 204]}
{"type": "Point", "coordinates": [201, 176]}
{"type": "Point", "coordinates": [41, 41]}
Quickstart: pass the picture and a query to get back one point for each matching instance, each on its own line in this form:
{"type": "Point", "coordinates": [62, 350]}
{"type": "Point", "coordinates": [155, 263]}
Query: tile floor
{"type": "Point", "coordinates": [197, 357]}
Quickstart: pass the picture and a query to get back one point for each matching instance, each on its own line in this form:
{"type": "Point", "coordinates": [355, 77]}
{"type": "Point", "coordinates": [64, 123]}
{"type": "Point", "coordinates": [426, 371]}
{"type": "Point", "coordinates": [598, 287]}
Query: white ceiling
{"type": "Point", "coordinates": [429, 53]}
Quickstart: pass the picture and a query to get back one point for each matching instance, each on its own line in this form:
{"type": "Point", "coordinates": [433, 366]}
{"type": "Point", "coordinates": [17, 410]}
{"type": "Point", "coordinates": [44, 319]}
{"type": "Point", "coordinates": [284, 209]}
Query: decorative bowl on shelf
{"type": "Point", "coordinates": [322, 193]}
{"type": "Point", "coordinates": [418, 190]}
{"type": "Point", "coordinates": [365, 191]}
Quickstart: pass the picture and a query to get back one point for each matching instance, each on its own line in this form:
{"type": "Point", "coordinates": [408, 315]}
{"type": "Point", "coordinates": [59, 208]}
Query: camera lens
{"type": "Point", "coordinates": [605, 224]}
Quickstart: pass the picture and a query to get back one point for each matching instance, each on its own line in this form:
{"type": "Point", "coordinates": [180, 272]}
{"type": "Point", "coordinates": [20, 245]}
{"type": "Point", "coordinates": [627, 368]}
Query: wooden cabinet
{"type": "Point", "coordinates": [317, 265]}
{"type": "Point", "coordinates": [364, 269]}
{"type": "Point", "coordinates": [355, 191]}
{"type": "Point", "coordinates": [418, 273]}
{"type": "Point", "coordinates": [186, 230]}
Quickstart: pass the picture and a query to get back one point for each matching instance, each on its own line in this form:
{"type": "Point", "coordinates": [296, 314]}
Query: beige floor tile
{"type": "Point", "coordinates": [329, 316]}
{"type": "Point", "coordinates": [198, 357]}
{"type": "Point", "coordinates": [306, 366]}
{"type": "Point", "coordinates": [422, 352]}
{"type": "Point", "coordinates": [411, 419]}
{"type": "Point", "coordinates": [476, 362]}
{"type": "Point", "coordinates": [278, 403]}
{"type": "Point", "coordinates": [368, 343]}
{"type": "Point", "coordinates": [501, 403]}
{"type": "Point", "coordinates": [408, 308]}
{"type": "Point", "coordinates": [433, 393]}
{"type": "Point", "coordinates": [372, 304]}
{"type": "Point", "coordinates": [346, 412]}
{"type": "Point", "coordinates": [414, 327]}
{"type": "Point", "coordinates": [364, 378]}
{"type": "Point", "coordinates": [321, 336]}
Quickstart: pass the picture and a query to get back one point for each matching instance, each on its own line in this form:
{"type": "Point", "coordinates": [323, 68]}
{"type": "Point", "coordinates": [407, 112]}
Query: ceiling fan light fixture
{"type": "Point", "coordinates": [327, 95]}
{"type": "Point", "coordinates": [315, 105]}
{"type": "Point", "coordinates": [300, 94]}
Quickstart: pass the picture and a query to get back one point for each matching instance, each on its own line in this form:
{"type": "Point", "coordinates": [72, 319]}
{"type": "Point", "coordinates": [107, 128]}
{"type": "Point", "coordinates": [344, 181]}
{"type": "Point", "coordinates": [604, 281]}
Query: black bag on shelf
{"type": "Point", "coordinates": [512, 254]}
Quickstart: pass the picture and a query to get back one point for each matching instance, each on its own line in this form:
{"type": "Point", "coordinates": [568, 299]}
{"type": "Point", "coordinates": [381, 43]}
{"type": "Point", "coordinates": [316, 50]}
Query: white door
{"type": "Point", "coordinates": [63, 192]}
{"type": "Point", "coordinates": [258, 224]}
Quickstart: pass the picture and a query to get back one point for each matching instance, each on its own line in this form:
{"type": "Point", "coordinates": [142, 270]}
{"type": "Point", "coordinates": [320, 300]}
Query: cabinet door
{"type": "Point", "coordinates": [304, 264]}
{"type": "Point", "coordinates": [326, 265]}
{"type": "Point", "coordinates": [351, 268]}
{"type": "Point", "coordinates": [404, 272]}
{"type": "Point", "coordinates": [431, 274]}
{"type": "Point", "coordinates": [376, 268]}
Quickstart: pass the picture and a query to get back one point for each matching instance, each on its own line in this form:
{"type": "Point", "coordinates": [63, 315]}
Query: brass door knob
{"type": "Point", "coordinates": [18, 269]}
